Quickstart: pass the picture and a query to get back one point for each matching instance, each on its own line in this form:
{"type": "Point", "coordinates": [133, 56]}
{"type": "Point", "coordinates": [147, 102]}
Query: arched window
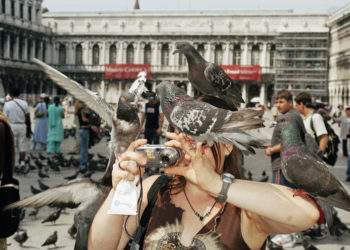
{"type": "Point", "coordinates": [200, 49]}
{"type": "Point", "coordinates": [12, 46]}
{"type": "Point", "coordinates": [29, 49]}
{"type": "Point", "coordinates": [255, 60]}
{"type": "Point", "coordinates": [20, 48]}
{"type": "Point", "coordinates": [78, 55]}
{"type": "Point", "coordinates": [95, 55]}
{"type": "Point", "coordinates": [44, 51]}
{"type": "Point", "coordinates": [112, 54]}
{"type": "Point", "coordinates": [62, 55]}
{"type": "Point", "coordinates": [237, 55]}
{"type": "Point", "coordinates": [147, 54]}
{"type": "Point", "coordinates": [218, 54]}
{"type": "Point", "coordinates": [165, 55]}
{"type": "Point", "coordinates": [130, 54]}
{"type": "Point", "coordinates": [272, 55]}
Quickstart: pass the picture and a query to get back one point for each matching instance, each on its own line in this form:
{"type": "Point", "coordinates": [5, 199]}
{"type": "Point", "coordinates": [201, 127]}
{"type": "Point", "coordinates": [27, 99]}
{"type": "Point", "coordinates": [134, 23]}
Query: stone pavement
{"type": "Point", "coordinates": [38, 232]}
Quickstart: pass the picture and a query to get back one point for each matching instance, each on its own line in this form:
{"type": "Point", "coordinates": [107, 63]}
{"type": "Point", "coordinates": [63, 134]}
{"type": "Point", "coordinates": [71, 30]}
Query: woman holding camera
{"type": "Point", "coordinates": [202, 208]}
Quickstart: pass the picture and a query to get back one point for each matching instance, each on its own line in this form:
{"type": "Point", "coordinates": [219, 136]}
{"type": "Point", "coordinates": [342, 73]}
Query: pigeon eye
{"type": "Point", "coordinates": [182, 46]}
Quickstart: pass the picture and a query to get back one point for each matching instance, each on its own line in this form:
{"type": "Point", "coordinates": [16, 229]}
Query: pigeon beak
{"type": "Point", "coordinates": [176, 51]}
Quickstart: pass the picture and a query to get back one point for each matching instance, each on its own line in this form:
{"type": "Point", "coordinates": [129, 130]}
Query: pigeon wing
{"type": "Point", "coordinates": [91, 99]}
{"type": "Point", "coordinates": [223, 83]}
{"type": "Point", "coordinates": [70, 194]}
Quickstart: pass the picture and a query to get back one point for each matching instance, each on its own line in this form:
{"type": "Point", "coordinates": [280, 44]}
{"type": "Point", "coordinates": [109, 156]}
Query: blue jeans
{"type": "Point", "coordinates": [84, 136]}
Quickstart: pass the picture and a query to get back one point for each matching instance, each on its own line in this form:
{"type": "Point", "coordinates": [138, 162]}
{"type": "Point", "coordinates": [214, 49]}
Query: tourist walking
{"type": "Point", "coordinates": [41, 124]}
{"type": "Point", "coordinates": [55, 135]}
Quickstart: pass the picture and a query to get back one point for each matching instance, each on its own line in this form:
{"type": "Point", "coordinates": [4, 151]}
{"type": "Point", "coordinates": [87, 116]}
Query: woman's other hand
{"type": "Point", "coordinates": [126, 165]}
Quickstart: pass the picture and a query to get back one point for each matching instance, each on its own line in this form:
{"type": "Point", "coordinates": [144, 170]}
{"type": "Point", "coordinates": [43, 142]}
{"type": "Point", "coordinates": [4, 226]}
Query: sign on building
{"type": "Point", "coordinates": [125, 71]}
{"type": "Point", "coordinates": [243, 73]}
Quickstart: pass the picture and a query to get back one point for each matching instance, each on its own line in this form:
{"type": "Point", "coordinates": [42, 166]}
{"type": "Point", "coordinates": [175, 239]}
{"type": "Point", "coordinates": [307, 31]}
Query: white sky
{"type": "Point", "coordinates": [299, 6]}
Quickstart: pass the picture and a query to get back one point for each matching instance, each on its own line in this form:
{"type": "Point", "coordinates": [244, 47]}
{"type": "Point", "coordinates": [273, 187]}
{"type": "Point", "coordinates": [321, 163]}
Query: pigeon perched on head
{"type": "Point", "coordinates": [305, 170]}
{"type": "Point", "coordinates": [208, 77]}
{"type": "Point", "coordinates": [21, 238]}
{"type": "Point", "coordinates": [207, 123]}
{"type": "Point", "coordinates": [51, 240]}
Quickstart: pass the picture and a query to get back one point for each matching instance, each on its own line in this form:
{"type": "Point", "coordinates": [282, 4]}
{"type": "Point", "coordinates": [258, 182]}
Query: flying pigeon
{"type": "Point", "coordinates": [207, 123]}
{"type": "Point", "coordinates": [51, 240]}
{"type": "Point", "coordinates": [208, 77]}
{"type": "Point", "coordinates": [21, 238]}
{"type": "Point", "coordinates": [305, 170]}
{"type": "Point", "coordinates": [53, 216]}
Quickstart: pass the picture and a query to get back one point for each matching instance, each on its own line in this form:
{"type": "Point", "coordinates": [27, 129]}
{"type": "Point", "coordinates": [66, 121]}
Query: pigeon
{"type": "Point", "coordinates": [33, 213]}
{"type": "Point", "coordinates": [22, 214]}
{"type": "Point", "coordinates": [250, 175]}
{"type": "Point", "coordinates": [208, 77]}
{"type": "Point", "coordinates": [207, 123]}
{"type": "Point", "coordinates": [306, 171]}
{"type": "Point", "coordinates": [72, 177]}
{"type": "Point", "coordinates": [21, 238]}
{"type": "Point", "coordinates": [42, 186]}
{"type": "Point", "coordinates": [41, 157]}
{"type": "Point", "coordinates": [42, 175]}
{"type": "Point", "coordinates": [34, 190]}
{"type": "Point", "coordinates": [72, 231]}
{"type": "Point", "coordinates": [53, 216]}
{"type": "Point", "coordinates": [264, 177]}
{"type": "Point", "coordinates": [51, 240]}
{"type": "Point", "coordinates": [307, 244]}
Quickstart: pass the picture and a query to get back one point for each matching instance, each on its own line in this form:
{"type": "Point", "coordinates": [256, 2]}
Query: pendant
{"type": "Point", "coordinates": [201, 218]}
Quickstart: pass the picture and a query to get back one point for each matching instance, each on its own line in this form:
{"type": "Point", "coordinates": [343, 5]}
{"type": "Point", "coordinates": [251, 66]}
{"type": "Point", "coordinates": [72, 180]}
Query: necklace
{"type": "Point", "coordinates": [201, 217]}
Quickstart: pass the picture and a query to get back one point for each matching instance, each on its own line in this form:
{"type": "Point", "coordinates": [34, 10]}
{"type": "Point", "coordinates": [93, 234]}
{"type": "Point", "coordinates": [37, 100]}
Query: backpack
{"type": "Point", "coordinates": [330, 155]}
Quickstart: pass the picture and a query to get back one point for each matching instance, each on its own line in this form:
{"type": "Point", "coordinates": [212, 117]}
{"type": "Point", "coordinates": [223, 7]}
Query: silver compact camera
{"type": "Point", "coordinates": [160, 156]}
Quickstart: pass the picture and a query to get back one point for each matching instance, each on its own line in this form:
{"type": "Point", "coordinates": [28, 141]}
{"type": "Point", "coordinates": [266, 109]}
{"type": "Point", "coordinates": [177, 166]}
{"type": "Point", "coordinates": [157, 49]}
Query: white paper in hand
{"type": "Point", "coordinates": [125, 198]}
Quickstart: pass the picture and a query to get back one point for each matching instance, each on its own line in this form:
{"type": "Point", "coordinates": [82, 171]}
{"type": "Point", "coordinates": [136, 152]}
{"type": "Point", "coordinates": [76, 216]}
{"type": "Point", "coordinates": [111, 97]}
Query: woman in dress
{"type": "Point", "coordinates": [55, 135]}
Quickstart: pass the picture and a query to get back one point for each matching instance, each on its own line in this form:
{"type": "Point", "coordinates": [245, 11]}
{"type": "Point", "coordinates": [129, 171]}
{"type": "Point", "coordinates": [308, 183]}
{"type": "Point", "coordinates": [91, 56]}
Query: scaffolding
{"type": "Point", "coordinates": [302, 63]}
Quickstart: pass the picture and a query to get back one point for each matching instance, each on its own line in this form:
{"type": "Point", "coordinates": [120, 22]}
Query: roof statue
{"type": "Point", "coordinates": [136, 5]}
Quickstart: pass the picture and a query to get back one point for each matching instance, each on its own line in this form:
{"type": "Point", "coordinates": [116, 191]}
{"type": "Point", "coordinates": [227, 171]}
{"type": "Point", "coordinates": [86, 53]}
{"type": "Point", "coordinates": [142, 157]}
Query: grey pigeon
{"type": "Point", "coordinates": [308, 245]}
{"type": "Point", "coordinates": [53, 216]}
{"type": "Point", "coordinates": [207, 123]}
{"type": "Point", "coordinates": [72, 231]}
{"type": "Point", "coordinates": [305, 170]}
{"type": "Point", "coordinates": [51, 240]}
{"type": "Point", "coordinates": [208, 77]}
{"type": "Point", "coordinates": [21, 238]}
{"type": "Point", "coordinates": [43, 186]}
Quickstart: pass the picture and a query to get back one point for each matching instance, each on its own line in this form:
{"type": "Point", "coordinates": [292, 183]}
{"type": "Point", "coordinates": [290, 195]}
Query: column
{"type": "Point", "coordinates": [154, 85]}
{"type": "Point", "coordinates": [268, 49]}
{"type": "Point", "coordinates": [7, 46]}
{"type": "Point", "coordinates": [70, 53]}
{"type": "Point", "coordinates": [33, 12]}
{"type": "Point", "coordinates": [103, 53]}
{"type": "Point", "coordinates": [142, 53]}
{"type": "Point", "coordinates": [119, 89]}
{"type": "Point", "coordinates": [244, 95]}
{"type": "Point", "coordinates": [8, 7]}
{"type": "Point", "coordinates": [16, 48]}
{"type": "Point", "coordinates": [102, 93]}
{"type": "Point", "coordinates": [244, 57]}
{"type": "Point", "coordinates": [25, 49]}
{"type": "Point", "coordinates": [40, 54]}
{"type": "Point", "coordinates": [263, 61]}
{"type": "Point", "coordinates": [137, 52]}
{"type": "Point", "coordinates": [85, 48]}
{"type": "Point", "coordinates": [32, 52]}
{"type": "Point", "coordinates": [207, 53]}
{"type": "Point", "coordinates": [249, 54]}
{"type": "Point", "coordinates": [226, 48]}
{"type": "Point", "coordinates": [189, 89]}
{"type": "Point", "coordinates": [263, 93]}
{"type": "Point", "coordinates": [155, 52]}
{"type": "Point", "coordinates": [172, 58]}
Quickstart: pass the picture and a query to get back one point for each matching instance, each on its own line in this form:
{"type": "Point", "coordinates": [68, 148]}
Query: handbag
{"type": "Point", "coordinates": [27, 121]}
{"type": "Point", "coordinates": [9, 188]}
{"type": "Point", "coordinates": [39, 113]}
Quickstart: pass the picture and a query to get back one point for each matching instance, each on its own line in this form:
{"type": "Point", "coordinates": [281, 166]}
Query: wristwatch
{"type": "Point", "coordinates": [227, 180]}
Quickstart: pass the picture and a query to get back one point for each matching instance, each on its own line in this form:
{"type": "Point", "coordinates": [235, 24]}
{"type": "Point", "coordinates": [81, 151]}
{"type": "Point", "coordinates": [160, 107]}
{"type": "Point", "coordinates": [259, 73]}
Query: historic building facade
{"type": "Point", "coordinates": [85, 42]}
{"type": "Point", "coordinates": [339, 57]}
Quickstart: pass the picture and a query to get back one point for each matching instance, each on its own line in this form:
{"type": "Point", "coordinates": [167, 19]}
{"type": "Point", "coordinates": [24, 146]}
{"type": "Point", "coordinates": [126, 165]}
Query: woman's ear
{"type": "Point", "coordinates": [228, 149]}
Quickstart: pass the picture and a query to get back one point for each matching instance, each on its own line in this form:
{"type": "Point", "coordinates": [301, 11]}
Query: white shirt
{"type": "Point", "coordinates": [14, 112]}
{"type": "Point", "coordinates": [318, 124]}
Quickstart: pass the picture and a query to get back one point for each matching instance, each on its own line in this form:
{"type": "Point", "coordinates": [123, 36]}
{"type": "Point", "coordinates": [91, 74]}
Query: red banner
{"type": "Point", "coordinates": [245, 73]}
{"type": "Point", "coordinates": [125, 71]}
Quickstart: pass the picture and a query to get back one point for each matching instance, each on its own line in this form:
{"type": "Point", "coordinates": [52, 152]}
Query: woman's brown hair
{"type": "Point", "coordinates": [230, 164]}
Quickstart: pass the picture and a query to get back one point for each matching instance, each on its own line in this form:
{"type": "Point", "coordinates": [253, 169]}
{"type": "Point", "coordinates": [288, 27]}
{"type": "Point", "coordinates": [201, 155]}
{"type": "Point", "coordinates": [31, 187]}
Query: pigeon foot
{"type": "Point", "coordinates": [299, 192]}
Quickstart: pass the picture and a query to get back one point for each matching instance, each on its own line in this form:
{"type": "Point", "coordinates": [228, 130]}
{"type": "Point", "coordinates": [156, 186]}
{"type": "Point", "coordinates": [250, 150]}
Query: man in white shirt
{"type": "Point", "coordinates": [319, 131]}
{"type": "Point", "coordinates": [15, 109]}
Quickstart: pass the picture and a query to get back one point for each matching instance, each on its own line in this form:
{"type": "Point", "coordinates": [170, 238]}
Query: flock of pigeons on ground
{"type": "Point", "coordinates": [200, 120]}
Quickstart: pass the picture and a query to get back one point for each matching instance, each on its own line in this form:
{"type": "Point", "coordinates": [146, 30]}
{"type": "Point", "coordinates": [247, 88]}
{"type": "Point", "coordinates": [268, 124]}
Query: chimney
{"type": "Point", "coordinates": [136, 5]}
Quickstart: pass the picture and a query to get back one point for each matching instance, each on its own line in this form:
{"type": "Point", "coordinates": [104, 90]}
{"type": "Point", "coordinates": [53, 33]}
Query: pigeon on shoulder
{"type": "Point", "coordinates": [207, 123]}
{"type": "Point", "coordinates": [304, 169]}
{"type": "Point", "coordinates": [208, 77]}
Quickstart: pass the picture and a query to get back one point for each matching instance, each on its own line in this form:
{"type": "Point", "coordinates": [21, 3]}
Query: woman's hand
{"type": "Point", "coordinates": [125, 166]}
{"type": "Point", "coordinates": [195, 165]}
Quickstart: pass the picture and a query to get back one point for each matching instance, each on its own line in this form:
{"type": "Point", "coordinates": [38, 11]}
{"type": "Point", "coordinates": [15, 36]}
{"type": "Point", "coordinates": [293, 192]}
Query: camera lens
{"type": "Point", "coordinates": [165, 158]}
{"type": "Point", "coordinates": [169, 157]}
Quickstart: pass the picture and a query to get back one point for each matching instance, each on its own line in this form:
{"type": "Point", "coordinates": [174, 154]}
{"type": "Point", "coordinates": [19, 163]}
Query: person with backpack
{"type": "Point", "coordinates": [207, 203]}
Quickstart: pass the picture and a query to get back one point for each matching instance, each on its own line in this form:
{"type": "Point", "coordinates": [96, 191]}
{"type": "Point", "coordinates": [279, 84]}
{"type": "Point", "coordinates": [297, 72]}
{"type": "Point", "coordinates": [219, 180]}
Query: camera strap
{"type": "Point", "coordinates": [152, 197]}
